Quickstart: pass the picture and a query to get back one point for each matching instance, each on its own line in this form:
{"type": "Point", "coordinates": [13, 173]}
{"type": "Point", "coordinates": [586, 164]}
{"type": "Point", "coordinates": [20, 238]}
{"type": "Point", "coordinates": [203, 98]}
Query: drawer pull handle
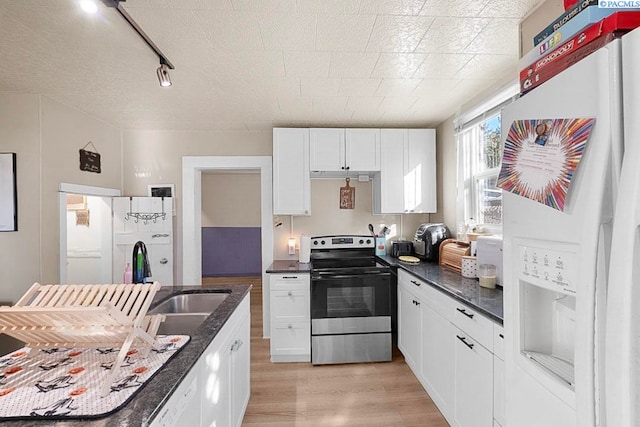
{"type": "Point", "coordinates": [415, 302]}
{"type": "Point", "coordinates": [164, 261]}
{"type": "Point", "coordinates": [501, 336]}
{"type": "Point", "coordinates": [236, 345]}
{"type": "Point", "coordinates": [290, 293]}
{"type": "Point", "coordinates": [464, 341]}
{"type": "Point", "coordinates": [416, 283]}
{"type": "Point", "coordinates": [463, 311]}
{"type": "Point", "coordinates": [289, 277]}
{"type": "Point", "coordinates": [153, 236]}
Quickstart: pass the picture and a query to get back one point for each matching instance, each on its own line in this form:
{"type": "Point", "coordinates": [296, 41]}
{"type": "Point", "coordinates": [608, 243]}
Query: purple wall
{"type": "Point", "coordinates": [231, 251]}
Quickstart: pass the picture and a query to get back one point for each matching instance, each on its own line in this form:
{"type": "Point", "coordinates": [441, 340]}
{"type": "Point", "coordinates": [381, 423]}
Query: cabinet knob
{"type": "Point", "coordinates": [164, 261]}
{"type": "Point", "coordinates": [342, 167]}
{"type": "Point", "coordinates": [236, 345]}
{"type": "Point", "coordinates": [290, 293]}
{"type": "Point", "coordinates": [290, 326]}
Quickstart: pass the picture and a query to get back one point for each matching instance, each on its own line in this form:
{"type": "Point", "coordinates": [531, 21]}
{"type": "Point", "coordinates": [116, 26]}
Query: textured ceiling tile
{"type": "Point", "coordinates": [362, 104]}
{"type": "Point", "coordinates": [397, 33]}
{"type": "Point", "coordinates": [397, 65]}
{"type": "Point", "coordinates": [329, 104]}
{"type": "Point", "coordinates": [391, 7]}
{"type": "Point", "coordinates": [259, 64]}
{"type": "Point", "coordinates": [319, 87]}
{"type": "Point", "coordinates": [352, 64]}
{"type": "Point", "coordinates": [435, 87]}
{"type": "Point", "coordinates": [443, 65]}
{"type": "Point", "coordinates": [484, 66]}
{"type": "Point", "coordinates": [307, 64]}
{"type": "Point", "coordinates": [508, 8]}
{"type": "Point", "coordinates": [299, 105]}
{"type": "Point", "coordinates": [500, 36]}
{"type": "Point", "coordinates": [451, 35]}
{"type": "Point", "coordinates": [397, 103]}
{"type": "Point", "coordinates": [288, 32]}
{"type": "Point", "coordinates": [267, 6]}
{"type": "Point", "coordinates": [346, 33]}
{"type": "Point", "coordinates": [180, 4]}
{"type": "Point", "coordinates": [358, 87]}
{"type": "Point", "coordinates": [329, 7]}
{"type": "Point", "coordinates": [469, 8]}
{"type": "Point", "coordinates": [281, 87]}
{"type": "Point", "coordinates": [229, 30]}
{"type": "Point", "coordinates": [397, 87]}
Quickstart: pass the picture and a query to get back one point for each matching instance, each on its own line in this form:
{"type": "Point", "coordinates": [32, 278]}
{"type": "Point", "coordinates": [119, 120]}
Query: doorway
{"type": "Point", "coordinates": [85, 233]}
{"type": "Point", "coordinates": [192, 169]}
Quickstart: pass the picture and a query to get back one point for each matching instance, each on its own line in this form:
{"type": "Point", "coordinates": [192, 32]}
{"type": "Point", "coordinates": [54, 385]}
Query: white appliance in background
{"type": "Point", "coordinates": [623, 311]}
{"type": "Point", "coordinates": [556, 264]}
{"type": "Point", "coordinates": [146, 219]}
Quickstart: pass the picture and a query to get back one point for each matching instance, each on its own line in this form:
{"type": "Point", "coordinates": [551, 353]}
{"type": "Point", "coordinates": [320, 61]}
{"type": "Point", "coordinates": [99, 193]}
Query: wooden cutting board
{"type": "Point", "coordinates": [347, 196]}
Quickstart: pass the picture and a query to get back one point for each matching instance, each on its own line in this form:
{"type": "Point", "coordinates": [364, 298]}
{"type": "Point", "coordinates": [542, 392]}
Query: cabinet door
{"type": "Point", "coordinates": [409, 328]}
{"type": "Point", "coordinates": [327, 149]}
{"type": "Point", "coordinates": [420, 171]}
{"type": "Point", "coordinates": [215, 376]}
{"type": "Point", "coordinates": [498, 391]}
{"type": "Point", "coordinates": [437, 364]}
{"type": "Point", "coordinates": [240, 372]}
{"type": "Point", "coordinates": [363, 149]}
{"type": "Point", "coordinates": [388, 185]}
{"type": "Point", "coordinates": [291, 179]}
{"type": "Point", "coordinates": [473, 403]}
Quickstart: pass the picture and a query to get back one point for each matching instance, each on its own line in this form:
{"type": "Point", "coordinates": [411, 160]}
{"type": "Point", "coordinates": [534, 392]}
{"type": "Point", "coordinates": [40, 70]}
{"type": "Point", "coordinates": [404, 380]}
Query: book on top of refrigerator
{"type": "Point", "coordinates": [582, 20]}
{"type": "Point", "coordinates": [581, 45]}
{"type": "Point", "coordinates": [568, 15]}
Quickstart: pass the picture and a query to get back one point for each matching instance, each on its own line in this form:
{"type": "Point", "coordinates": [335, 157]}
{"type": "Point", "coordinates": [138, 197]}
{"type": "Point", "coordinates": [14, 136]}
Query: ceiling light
{"type": "Point", "coordinates": [163, 75]}
{"type": "Point", "coordinates": [89, 6]}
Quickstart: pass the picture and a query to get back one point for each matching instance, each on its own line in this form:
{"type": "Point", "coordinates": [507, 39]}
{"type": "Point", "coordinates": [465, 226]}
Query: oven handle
{"type": "Point", "coordinates": [347, 276]}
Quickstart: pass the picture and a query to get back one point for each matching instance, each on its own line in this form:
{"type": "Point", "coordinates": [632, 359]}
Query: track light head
{"type": "Point", "coordinates": [163, 75]}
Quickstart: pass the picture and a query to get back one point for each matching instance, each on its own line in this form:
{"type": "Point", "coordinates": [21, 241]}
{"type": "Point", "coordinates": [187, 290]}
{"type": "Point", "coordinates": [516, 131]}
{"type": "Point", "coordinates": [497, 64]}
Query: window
{"type": "Point", "coordinates": [480, 153]}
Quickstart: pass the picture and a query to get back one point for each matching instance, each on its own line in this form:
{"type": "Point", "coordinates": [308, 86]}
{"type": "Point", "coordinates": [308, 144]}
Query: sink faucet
{"type": "Point", "coordinates": [140, 262]}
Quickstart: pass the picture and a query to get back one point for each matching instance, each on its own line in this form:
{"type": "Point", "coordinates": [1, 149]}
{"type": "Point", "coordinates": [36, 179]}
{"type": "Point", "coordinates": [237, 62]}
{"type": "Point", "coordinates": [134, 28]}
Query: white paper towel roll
{"type": "Point", "coordinates": [304, 255]}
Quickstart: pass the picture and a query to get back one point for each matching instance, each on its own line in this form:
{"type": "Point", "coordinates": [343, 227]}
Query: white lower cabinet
{"type": "Point", "coordinates": [290, 317]}
{"type": "Point", "coordinates": [450, 352]}
{"type": "Point", "coordinates": [216, 390]}
{"type": "Point", "coordinates": [473, 401]}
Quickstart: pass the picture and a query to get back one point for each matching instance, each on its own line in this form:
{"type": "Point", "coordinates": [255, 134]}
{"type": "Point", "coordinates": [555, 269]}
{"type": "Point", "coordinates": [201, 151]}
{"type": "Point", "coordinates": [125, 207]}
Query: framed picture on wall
{"type": "Point", "coordinates": [8, 193]}
{"type": "Point", "coordinates": [163, 190]}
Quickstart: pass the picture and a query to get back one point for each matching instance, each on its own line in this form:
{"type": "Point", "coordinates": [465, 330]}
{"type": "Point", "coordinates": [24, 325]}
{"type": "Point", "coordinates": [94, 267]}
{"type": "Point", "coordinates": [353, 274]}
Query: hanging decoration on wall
{"type": "Point", "coordinates": [90, 160]}
{"type": "Point", "coordinates": [347, 196]}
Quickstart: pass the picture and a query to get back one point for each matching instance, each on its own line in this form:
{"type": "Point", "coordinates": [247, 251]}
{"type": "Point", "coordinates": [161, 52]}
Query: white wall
{"type": "Point", "coordinates": [231, 200]}
{"type": "Point", "coordinates": [46, 137]}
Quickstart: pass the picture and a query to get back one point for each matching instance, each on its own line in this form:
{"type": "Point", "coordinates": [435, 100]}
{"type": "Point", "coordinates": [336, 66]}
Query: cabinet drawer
{"type": "Point", "coordinates": [471, 322]}
{"type": "Point", "coordinates": [296, 282]}
{"type": "Point", "coordinates": [498, 341]}
{"type": "Point", "coordinates": [290, 339]}
{"type": "Point", "coordinates": [289, 306]}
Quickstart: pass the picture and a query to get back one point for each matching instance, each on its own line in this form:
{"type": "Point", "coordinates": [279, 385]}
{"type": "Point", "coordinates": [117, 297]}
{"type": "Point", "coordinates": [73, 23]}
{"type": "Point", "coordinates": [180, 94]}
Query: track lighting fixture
{"type": "Point", "coordinates": [163, 75]}
{"type": "Point", "coordinates": [165, 64]}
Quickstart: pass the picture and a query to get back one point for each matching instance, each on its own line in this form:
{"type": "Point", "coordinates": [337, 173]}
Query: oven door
{"type": "Point", "coordinates": [346, 296]}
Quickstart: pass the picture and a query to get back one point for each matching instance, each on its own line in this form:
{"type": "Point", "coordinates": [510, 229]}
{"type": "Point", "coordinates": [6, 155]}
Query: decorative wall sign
{"type": "Point", "coordinates": [90, 160]}
{"type": "Point", "coordinates": [347, 196]}
{"type": "Point", "coordinates": [161, 190]}
{"type": "Point", "coordinates": [541, 156]}
{"type": "Point", "coordinates": [8, 193]}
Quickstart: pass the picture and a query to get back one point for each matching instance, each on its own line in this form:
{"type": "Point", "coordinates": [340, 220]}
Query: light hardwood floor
{"type": "Point", "coordinates": [302, 395]}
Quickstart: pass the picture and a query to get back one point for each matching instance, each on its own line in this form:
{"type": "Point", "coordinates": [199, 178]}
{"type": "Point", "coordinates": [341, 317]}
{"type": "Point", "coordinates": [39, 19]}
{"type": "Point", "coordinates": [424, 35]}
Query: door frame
{"type": "Point", "coordinates": [192, 167]}
{"type": "Point", "coordinates": [86, 190]}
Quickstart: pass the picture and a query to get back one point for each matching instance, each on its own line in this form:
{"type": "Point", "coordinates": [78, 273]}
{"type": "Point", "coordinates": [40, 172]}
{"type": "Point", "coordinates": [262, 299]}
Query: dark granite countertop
{"type": "Point", "coordinates": [288, 266]}
{"type": "Point", "coordinates": [145, 404]}
{"type": "Point", "coordinates": [468, 291]}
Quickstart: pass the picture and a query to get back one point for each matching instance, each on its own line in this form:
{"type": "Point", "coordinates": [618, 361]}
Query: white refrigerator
{"type": "Point", "coordinates": [570, 329]}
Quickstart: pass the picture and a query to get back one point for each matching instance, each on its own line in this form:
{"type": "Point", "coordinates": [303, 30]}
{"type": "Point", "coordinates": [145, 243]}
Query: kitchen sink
{"type": "Point", "coordinates": [181, 324]}
{"type": "Point", "coordinates": [191, 303]}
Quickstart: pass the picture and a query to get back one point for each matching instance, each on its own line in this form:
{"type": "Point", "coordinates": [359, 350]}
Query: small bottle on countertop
{"type": "Point", "coordinates": [128, 274]}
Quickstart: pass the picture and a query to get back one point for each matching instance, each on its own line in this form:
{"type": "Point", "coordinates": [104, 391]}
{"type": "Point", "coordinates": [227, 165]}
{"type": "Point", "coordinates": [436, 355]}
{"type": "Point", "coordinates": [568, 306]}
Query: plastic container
{"type": "Point", "coordinates": [487, 275]}
{"type": "Point", "coordinates": [128, 274]}
{"type": "Point", "coordinates": [381, 246]}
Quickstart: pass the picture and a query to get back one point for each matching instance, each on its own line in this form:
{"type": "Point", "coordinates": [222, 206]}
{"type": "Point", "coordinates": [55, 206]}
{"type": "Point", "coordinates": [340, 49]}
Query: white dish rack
{"type": "Point", "coordinates": [85, 316]}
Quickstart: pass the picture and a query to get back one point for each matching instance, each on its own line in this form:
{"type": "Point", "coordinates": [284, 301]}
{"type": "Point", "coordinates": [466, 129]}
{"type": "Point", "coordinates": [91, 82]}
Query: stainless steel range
{"type": "Point", "coordinates": [350, 301]}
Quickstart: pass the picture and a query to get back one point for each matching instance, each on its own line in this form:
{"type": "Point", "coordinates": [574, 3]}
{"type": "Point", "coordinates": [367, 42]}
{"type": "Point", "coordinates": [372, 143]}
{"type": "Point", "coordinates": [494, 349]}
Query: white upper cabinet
{"type": "Point", "coordinates": [291, 179]}
{"type": "Point", "coordinates": [344, 150]}
{"type": "Point", "coordinates": [407, 179]}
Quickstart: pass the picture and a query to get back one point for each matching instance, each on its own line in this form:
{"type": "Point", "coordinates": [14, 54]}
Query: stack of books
{"type": "Point", "coordinates": [578, 32]}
